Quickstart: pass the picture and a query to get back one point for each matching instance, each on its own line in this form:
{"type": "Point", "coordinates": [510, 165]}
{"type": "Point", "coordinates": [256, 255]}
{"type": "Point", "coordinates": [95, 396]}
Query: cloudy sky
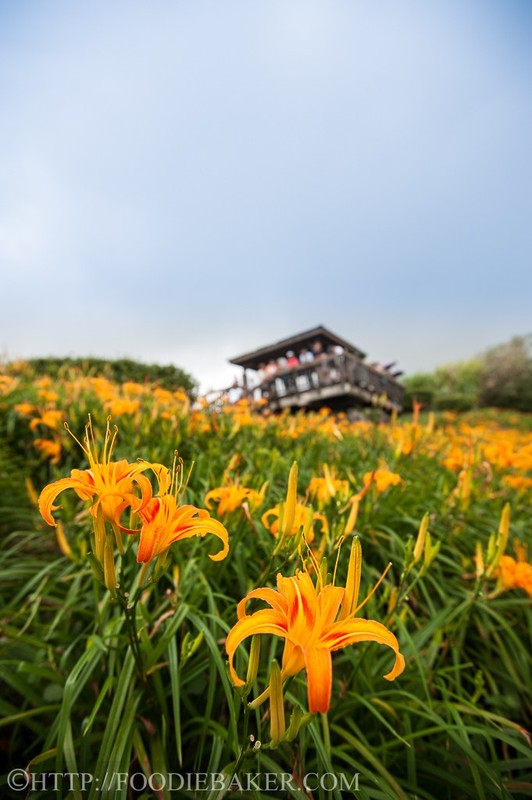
{"type": "Point", "coordinates": [182, 181]}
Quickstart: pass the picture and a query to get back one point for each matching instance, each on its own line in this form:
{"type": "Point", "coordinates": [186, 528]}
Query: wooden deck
{"type": "Point", "coordinates": [338, 376]}
{"type": "Point", "coordinates": [340, 382]}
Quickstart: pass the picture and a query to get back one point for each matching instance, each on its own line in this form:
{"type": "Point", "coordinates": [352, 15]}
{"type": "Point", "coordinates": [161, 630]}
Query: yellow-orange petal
{"type": "Point", "coordinates": [272, 512]}
{"type": "Point", "coordinates": [200, 523]}
{"type": "Point", "coordinates": [302, 603]}
{"type": "Point", "coordinates": [351, 631]}
{"type": "Point", "coordinates": [318, 664]}
{"type": "Point", "coordinates": [84, 489]}
{"type": "Point", "coordinates": [329, 601]}
{"type": "Point", "coordinates": [213, 495]}
{"type": "Point", "coordinates": [293, 659]}
{"type": "Point", "coordinates": [271, 596]}
{"type": "Point", "coordinates": [169, 524]}
{"type": "Point", "coordinates": [264, 621]}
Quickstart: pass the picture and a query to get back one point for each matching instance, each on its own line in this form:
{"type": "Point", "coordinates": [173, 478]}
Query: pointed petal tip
{"type": "Point", "coordinates": [397, 669]}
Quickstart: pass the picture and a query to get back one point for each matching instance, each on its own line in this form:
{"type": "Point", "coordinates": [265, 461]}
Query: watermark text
{"type": "Point", "coordinates": [19, 780]}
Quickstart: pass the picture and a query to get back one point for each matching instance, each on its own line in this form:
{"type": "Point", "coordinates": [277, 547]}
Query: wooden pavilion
{"type": "Point", "coordinates": [329, 372]}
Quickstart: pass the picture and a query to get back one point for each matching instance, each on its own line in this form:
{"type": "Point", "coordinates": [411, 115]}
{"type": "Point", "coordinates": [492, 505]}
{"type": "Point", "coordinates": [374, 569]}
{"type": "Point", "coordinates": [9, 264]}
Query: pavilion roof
{"type": "Point", "coordinates": [254, 358]}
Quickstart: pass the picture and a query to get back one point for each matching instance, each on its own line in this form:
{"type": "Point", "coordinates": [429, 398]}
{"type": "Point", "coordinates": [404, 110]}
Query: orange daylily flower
{"type": "Point", "coordinates": [314, 621]}
{"type": "Point", "coordinates": [382, 478]}
{"type": "Point", "coordinates": [113, 484]}
{"type": "Point", "coordinates": [326, 487]}
{"type": "Point", "coordinates": [515, 573]}
{"type": "Point", "coordinates": [119, 406]}
{"type": "Point", "coordinates": [231, 497]}
{"type": "Point", "coordinates": [165, 521]}
{"type": "Point", "coordinates": [521, 483]}
{"type": "Point", "coordinates": [50, 449]}
{"type": "Point", "coordinates": [455, 459]}
{"type": "Point", "coordinates": [51, 418]}
{"type": "Point", "coordinates": [24, 409]}
{"type": "Point", "coordinates": [300, 519]}
{"type": "Point", "coordinates": [7, 384]}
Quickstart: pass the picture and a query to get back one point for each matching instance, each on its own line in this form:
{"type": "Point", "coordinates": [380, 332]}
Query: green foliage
{"type": "Point", "coordinates": [506, 375]}
{"type": "Point", "coordinates": [119, 370]}
{"type": "Point", "coordinates": [81, 699]}
{"type": "Point", "coordinates": [500, 378]}
{"type": "Point", "coordinates": [421, 387]}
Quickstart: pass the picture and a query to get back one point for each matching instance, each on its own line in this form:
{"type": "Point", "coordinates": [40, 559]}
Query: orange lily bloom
{"type": "Point", "coordinates": [300, 519]}
{"type": "Point", "coordinates": [112, 483]}
{"type": "Point", "coordinates": [515, 573]}
{"type": "Point", "coordinates": [382, 478]}
{"type": "Point", "coordinates": [51, 418]}
{"type": "Point", "coordinates": [314, 621]}
{"type": "Point", "coordinates": [165, 521]}
{"type": "Point", "coordinates": [326, 487]}
{"type": "Point", "coordinates": [50, 449]}
{"type": "Point", "coordinates": [521, 483]}
{"type": "Point", "coordinates": [231, 497]}
{"type": "Point", "coordinates": [7, 384]}
{"type": "Point", "coordinates": [24, 409]}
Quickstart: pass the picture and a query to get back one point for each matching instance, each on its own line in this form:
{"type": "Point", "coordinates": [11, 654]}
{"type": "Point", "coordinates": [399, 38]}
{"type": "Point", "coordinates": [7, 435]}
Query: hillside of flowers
{"type": "Point", "coordinates": [212, 601]}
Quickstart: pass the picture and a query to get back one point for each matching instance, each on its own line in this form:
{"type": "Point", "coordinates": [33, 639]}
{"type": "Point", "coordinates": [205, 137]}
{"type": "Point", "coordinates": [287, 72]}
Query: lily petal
{"type": "Point", "coordinates": [270, 596]}
{"type": "Point", "coordinates": [164, 522]}
{"type": "Point", "coordinates": [84, 489]}
{"type": "Point", "coordinates": [318, 663]}
{"type": "Point", "coordinates": [351, 631]}
{"type": "Point", "coordinates": [264, 621]}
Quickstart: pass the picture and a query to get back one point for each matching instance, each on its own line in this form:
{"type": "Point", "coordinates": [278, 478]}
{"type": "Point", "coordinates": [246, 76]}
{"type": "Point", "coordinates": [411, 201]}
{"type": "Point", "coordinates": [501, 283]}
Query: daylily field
{"type": "Point", "coordinates": [214, 602]}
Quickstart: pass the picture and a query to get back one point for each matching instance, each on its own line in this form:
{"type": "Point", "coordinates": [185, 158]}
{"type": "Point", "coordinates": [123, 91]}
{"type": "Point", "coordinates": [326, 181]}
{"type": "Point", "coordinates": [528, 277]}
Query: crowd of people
{"type": "Point", "coordinates": [279, 376]}
{"type": "Point", "coordinates": [279, 372]}
{"type": "Point", "coordinates": [268, 370]}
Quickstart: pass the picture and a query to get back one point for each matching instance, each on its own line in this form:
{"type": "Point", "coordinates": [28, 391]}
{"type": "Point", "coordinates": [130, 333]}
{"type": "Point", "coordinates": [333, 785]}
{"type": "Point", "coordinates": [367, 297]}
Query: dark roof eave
{"type": "Point", "coordinates": [252, 359]}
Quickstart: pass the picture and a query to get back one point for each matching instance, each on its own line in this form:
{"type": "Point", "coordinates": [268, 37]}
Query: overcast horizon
{"type": "Point", "coordinates": [182, 183]}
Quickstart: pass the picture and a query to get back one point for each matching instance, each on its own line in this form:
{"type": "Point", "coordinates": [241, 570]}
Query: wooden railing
{"type": "Point", "coordinates": [344, 371]}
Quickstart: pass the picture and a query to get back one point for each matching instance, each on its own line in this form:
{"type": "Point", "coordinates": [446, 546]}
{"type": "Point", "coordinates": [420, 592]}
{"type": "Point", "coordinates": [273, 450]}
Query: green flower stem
{"type": "Point", "coordinates": [130, 614]}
